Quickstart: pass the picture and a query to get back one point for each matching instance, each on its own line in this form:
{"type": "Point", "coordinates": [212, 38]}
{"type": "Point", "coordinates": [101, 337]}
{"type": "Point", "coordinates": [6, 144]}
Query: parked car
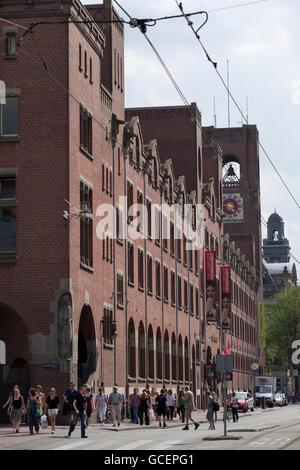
{"type": "Point", "coordinates": [245, 401]}
{"type": "Point", "coordinates": [280, 399]}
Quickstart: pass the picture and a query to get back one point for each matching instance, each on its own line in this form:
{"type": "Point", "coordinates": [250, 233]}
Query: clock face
{"type": "Point", "coordinates": [233, 208]}
{"type": "Point", "coordinates": [230, 206]}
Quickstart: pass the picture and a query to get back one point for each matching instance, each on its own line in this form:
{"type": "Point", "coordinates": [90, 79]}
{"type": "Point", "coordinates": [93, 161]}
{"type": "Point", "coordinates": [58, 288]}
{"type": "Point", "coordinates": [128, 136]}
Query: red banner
{"type": "Point", "coordinates": [225, 276]}
{"type": "Point", "coordinates": [210, 260]}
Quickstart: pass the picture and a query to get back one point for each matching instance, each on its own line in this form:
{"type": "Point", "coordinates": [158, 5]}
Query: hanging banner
{"type": "Point", "coordinates": [212, 305]}
{"type": "Point", "coordinates": [261, 320]}
{"type": "Point", "coordinates": [226, 298]}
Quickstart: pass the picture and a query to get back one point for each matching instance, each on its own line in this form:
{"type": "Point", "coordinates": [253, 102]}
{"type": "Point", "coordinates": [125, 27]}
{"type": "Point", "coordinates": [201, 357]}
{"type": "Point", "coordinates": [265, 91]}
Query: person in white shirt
{"type": "Point", "coordinates": [171, 399]}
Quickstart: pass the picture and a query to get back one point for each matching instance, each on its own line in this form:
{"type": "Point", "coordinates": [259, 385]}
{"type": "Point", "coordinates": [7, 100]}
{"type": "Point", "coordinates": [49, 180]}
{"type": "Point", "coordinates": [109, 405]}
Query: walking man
{"type": "Point", "coordinates": [189, 407]}
{"type": "Point", "coordinates": [234, 406]}
{"type": "Point", "coordinates": [69, 397]}
{"type": "Point", "coordinates": [115, 402]}
{"type": "Point", "coordinates": [162, 406]}
{"type": "Point", "coordinates": [134, 403]}
{"type": "Point", "coordinates": [79, 405]}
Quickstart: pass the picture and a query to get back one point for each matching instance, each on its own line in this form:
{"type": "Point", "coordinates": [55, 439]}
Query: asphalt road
{"type": "Point", "coordinates": [276, 429]}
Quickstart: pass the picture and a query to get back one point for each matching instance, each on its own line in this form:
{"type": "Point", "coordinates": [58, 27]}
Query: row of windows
{"type": "Point", "coordinates": [85, 64]}
{"type": "Point", "coordinates": [242, 300]}
{"type": "Point", "coordinates": [243, 330]}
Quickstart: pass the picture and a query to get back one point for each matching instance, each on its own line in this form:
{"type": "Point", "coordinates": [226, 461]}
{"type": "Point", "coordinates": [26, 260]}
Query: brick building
{"type": "Point", "coordinates": [77, 303]}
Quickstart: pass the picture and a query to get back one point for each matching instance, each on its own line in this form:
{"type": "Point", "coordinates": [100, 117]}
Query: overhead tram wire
{"type": "Point", "coordinates": [186, 102]}
{"type": "Point", "coordinates": [190, 24]}
{"type": "Point", "coordinates": [240, 5]}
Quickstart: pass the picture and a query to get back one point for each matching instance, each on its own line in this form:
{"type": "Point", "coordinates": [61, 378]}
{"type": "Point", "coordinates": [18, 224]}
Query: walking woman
{"type": "Point", "coordinates": [101, 403]}
{"type": "Point", "coordinates": [33, 404]}
{"type": "Point", "coordinates": [144, 405]}
{"type": "Point", "coordinates": [180, 406]}
{"type": "Point", "coordinates": [210, 410]}
{"type": "Point", "coordinates": [52, 407]}
{"type": "Point", "coordinates": [89, 405]}
{"type": "Point", "coordinates": [16, 408]}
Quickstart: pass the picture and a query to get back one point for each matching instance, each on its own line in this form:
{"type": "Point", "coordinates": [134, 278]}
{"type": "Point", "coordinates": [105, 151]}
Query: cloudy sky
{"type": "Point", "coordinates": [261, 42]}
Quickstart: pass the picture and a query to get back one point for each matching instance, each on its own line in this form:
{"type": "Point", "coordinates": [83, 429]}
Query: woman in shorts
{"type": "Point", "coordinates": [52, 407]}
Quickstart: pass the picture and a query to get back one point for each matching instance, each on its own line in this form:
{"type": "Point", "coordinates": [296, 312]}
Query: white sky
{"type": "Point", "coordinates": [262, 44]}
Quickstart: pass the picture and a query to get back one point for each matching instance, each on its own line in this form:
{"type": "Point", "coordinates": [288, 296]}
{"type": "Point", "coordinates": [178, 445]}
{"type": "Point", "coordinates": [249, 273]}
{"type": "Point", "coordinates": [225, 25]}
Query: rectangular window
{"type": "Point", "coordinates": [9, 118]}
{"type": "Point", "coordinates": [148, 203]}
{"type": "Point", "coordinates": [80, 57]}
{"type": "Point", "coordinates": [197, 301]}
{"type": "Point", "coordinates": [130, 264]}
{"type": "Point", "coordinates": [173, 296]}
{"type": "Point", "coordinates": [107, 326]}
{"type": "Point", "coordinates": [85, 130]}
{"type": "Point", "coordinates": [185, 295]}
{"type": "Point", "coordinates": [119, 224]}
{"type": "Point", "coordinates": [157, 226]}
{"type": "Point", "coordinates": [120, 302]}
{"type": "Point", "coordinates": [141, 268]}
{"type": "Point", "coordinates": [149, 274]}
{"type": "Point", "coordinates": [165, 232]}
{"type": "Point", "coordinates": [179, 292]}
{"type": "Point", "coordinates": [140, 212]}
{"type": "Point", "coordinates": [166, 284]}
{"type": "Point", "coordinates": [178, 245]}
{"type": "Point", "coordinates": [11, 44]}
{"type": "Point", "coordinates": [191, 298]}
{"type": "Point", "coordinates": [7, 217]}
{"type": "Point", "coordinates": [129, 200]}
{"type": "Point", "coordinates": [91, 70]}
{"type": "Point", "coordinates": [103, 177]}
{"type": "Point", "coordinates": [86, 225]}
{"type": "Point", "coordinates": [172, 239]}
{"type": "Point", "coordinates": [184, 251]}
{"type": "Point", "coordinates": [158, 283]}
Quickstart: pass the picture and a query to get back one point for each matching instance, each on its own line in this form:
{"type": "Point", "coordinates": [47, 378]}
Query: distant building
{"type": "Point", "coordinates": [279, 273]}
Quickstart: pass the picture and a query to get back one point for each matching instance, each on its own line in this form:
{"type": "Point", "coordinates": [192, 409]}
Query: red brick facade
{"type": "Point", "coordinates": [60, 308]}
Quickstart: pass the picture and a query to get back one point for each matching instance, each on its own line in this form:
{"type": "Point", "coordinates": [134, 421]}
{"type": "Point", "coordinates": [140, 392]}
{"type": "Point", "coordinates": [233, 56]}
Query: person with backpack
{"type": "Point", "coordinates": [216, 406]}
{"type": "Point", "coordinates": [79, 406]}
{"type": "Point", "coordinates": [210, 410]}
{"type": "Point", "coordinates": [162, 406]}
{"type": "Point", "coordinates": [33, 411]}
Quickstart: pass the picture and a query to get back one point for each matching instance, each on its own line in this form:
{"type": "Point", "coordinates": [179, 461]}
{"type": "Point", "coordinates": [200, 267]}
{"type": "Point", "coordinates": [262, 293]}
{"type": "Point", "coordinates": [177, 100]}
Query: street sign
{"type": "Point", "coordinates": [224, 363]}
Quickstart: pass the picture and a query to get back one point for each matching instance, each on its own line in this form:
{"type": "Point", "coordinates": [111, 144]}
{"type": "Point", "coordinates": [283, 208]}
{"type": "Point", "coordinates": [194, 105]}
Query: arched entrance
{"type": "Point", "coordinates": [141, 343]}
{"type": "Point", "coordinates": [131, 349]}
{"type": "Point", "coordinates": [15, 371]}
{"type": "Point", "coordinates": [150, 352]}
{"type": "Point", "coordinates": [87, 351]}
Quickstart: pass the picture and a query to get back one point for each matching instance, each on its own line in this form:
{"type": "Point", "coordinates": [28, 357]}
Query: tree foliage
{"type": "Point", "coordinates": [282, 325]}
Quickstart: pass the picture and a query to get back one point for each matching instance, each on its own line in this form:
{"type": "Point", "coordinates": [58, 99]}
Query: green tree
{"type": "Point", "coordinates": [282, 327]}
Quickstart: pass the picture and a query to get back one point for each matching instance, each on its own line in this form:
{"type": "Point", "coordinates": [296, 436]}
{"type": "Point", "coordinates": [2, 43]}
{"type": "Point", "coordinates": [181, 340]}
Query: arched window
{"type": "Point", "coordinates": [150, 353]}
{"type": "Point", "coordinates": [167, 356]}
{"type": "Point", "coordinates": [137, 151]}
{"type": "Point", "coordinates": [174, 372]}
{"type": "Point", "coordinates": [186, 361]}
{"type": "Point", "coordinates": [158, 354]}
{"type": "Point", "coordinates": [131, 349]}
{"type": "Point", "coordinates": [180, 358]}
{"type": "Point", "coordinates": [141, 342]}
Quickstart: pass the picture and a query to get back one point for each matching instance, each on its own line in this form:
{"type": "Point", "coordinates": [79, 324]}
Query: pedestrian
{"type": "Point", "coordinates": [52, 408]}
{"type": "Point", "coordinates": [115, 402]}
{"type": "Point", "coordinates": [41, 396]}
{"type": "Point", "coordinates": [16, 408]}
{"type": "Point", "coordinates": [79, 412]}
{"type": "Point", "coordinates": [69, 397]}
{"type": "Point", "coordinates": [189, 407]}
{"type": "Point", "coordinates": [89, 405]}
{"type": "Point", "coordinates": [210, 410]}
{"type": "Point", "coordinates": [101, 404]}
{"type": "Point", "coordinates": [162, 406]}
{"type": "Point", "coordinates": [8, 400]}
{"type": "Point", "coordinates": [171, 404]}
{"type": "Point", "coordinates": [234, 407]}
{"type": "Point", "coordinates": [153, 396]}
{"type": "Point", "coordinates": [144, 405]}
{"type": "Point", "coordinates": [32, 411]}
{"type": "Point", "coordinates": [180, 406]}
{"type": "Point", "coordinates": [216, 406]}
{"type": "Point", "coordinates": [134, 403]}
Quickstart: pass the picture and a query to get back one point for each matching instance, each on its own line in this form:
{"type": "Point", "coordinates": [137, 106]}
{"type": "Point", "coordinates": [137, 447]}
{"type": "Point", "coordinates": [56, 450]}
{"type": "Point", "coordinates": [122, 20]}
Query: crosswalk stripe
{"type": "Point", "coordinates": [164, 445]}
{"type": "Point", "coordinates": [134, 445]}
{"type": "Point", "coordinates": [73, 445]}
{"type": "Point", "coordinates": [102, 445]}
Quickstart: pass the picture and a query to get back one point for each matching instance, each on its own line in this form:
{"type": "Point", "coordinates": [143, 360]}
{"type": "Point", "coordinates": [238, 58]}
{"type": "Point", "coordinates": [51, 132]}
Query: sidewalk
{"type": "Point", "coordinates": [198, 416]}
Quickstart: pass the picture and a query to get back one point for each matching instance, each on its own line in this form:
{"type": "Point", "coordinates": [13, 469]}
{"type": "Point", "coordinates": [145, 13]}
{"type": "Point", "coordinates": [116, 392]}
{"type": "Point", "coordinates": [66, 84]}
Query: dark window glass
{"type": "Point", "coordinates": [9, 117]}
